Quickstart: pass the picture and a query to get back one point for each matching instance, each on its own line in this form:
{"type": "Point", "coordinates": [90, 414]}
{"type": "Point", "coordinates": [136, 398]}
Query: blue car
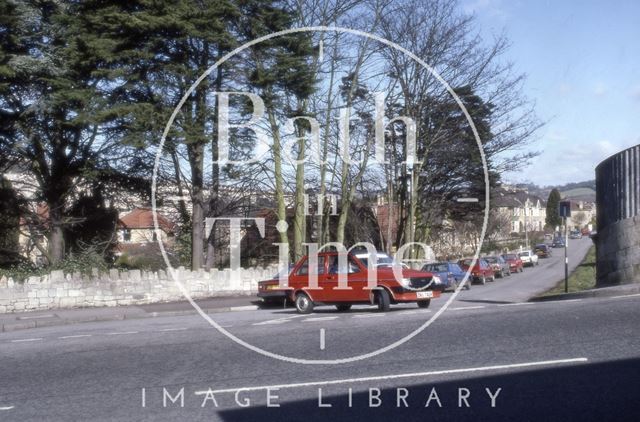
{"type": "Point", "coordinates": [449, 272]}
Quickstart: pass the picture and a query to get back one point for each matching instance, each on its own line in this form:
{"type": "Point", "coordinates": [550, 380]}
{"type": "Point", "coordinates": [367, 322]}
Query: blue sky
{"type": "Point", "coordinates": [582, 60]}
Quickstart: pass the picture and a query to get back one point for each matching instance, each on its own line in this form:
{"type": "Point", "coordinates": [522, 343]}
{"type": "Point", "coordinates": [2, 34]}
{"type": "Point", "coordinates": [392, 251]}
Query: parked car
{"type": "Point", "coordinates": [481, 272]}
{"type": "Point", "coordinates": [514, 261]}
{"type": "Point", "coordinates": [529, 259]}
{"type": "Point", "coordinates": [558, 242]}
{"type": "Point", "coordinates": [449, 272]}
{"type": "Point", "coordinates": [414, 286]}
{"type": "Point", "coordinates": [585, 232]}
{"type": "Point", "coordinates": [542, 250]}
{"type": "Point", "coordinates": [575, 234]}
{"type": "Point", "coordinates": [499, 266]}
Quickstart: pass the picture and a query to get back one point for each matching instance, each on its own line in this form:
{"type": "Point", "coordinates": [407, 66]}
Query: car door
{"type": "Point", "coordinates": [356, 277]}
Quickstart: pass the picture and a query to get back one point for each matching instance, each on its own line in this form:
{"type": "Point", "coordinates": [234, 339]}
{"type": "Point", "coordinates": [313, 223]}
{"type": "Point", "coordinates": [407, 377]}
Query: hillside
{"type": "Point", "coordinates": [578, 191]}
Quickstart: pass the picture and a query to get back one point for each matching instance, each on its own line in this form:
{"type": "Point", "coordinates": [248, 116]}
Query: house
{"type": "Point", "coordinates": [137, 227]}
{"type": "Point", "coordinates": [524, 212]}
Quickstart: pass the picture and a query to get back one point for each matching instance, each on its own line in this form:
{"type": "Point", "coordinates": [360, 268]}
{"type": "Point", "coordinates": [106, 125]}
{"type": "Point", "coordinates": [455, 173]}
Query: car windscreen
{"type": "Point", "coordinates": [510, 256]}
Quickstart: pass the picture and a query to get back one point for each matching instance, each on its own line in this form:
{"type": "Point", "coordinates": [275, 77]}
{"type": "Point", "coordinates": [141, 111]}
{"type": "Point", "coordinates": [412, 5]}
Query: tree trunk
{"type": "Point", "coordinates": [56, 233]}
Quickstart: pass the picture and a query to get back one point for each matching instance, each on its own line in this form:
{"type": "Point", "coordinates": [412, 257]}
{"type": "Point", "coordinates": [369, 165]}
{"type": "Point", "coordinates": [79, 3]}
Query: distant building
{"type": "Point", "coordinates": [524, 212]}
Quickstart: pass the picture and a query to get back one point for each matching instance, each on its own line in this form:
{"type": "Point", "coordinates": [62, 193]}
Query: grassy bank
{"type": "Point", "coordinates": [582, 278]}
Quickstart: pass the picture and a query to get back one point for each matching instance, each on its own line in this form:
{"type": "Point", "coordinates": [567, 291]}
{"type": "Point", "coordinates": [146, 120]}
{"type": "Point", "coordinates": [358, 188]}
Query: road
{"type": "Point", "coordinates": [533, 281]}
{"type": "Point", "coordinates": [573, 360]}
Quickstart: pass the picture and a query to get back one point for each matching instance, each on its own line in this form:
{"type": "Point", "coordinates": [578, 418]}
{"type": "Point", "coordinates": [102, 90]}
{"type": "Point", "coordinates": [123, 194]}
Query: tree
{"type": "Point", "coordinates": [553, 202]}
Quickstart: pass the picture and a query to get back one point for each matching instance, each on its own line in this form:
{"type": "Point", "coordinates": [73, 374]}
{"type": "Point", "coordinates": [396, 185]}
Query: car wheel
{"type": "Point", "coordinates": [304, 305]}
{"type": "Point", "coordinates": [468, 285]}
{"type": "Point", "coordinates": [483, 280]}
{"type": "Point", "coordinates": [383, 300]}
{"type": "Point", "coordinates": [343, 307]}
{"type": "Point", "coordinates": [424, 304]}
{"type": "Point", "coordinates": [521, 269]}
{"type": "Point", "coordinates": [509, 273]}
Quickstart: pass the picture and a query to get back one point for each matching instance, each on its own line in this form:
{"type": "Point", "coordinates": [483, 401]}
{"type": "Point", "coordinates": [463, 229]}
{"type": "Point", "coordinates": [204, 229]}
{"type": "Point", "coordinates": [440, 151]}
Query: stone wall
{"type": "Point", "coordinates": [618, 252]}
{"type": "Point", "coordinates": [58, 290]}
{"type": "Point", "coordinates": [618, 218]}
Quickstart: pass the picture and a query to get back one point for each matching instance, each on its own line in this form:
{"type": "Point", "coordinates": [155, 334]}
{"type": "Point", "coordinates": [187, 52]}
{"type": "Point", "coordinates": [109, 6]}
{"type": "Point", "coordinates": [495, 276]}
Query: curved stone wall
{"type": "Point", "coordinates": [618, 218]}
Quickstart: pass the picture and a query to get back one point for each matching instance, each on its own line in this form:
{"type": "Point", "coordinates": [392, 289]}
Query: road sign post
{"type": "Point", "coordinates": [565, 212]}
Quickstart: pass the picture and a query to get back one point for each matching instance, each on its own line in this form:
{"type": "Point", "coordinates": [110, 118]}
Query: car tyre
{"type": "Point", "coordinates": [343, 307]}
{"type": "Point", "coordinates": [468, 285]}
{"type": "Point", "coordinates": [483, 280]}
{"type": "Point", "coordinates": [304, 304]}
{"type": "Point", "coordinates": [424, 304]}
{"type": "Point", "coordinates": [383, 300]}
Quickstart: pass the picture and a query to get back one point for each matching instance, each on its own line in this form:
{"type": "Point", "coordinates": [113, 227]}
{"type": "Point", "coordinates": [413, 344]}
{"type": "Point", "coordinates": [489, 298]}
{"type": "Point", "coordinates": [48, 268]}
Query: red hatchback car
{"type": "Point", "coordinates": [514, 261]}
{"type": "Point", "coordinates": [415, 286]}
{"type": "Point", "coordinates": [481, 272]}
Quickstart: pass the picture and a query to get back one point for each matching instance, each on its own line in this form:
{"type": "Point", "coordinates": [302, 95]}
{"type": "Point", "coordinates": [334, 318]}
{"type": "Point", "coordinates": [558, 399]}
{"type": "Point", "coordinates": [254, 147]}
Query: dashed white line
{"type": "Point", "coordinates": [173, 329]}
{"type": "Point", "coordinates": [122, 333]}
{"type": "Point", "coordinates": [315, 319]}
{"type": "Point", "coordinates": [465, 308]}
{"type": "Point", "coordinates": [6, 407]}
{"type": "Point", "coordinates": [26, 339]}
{"type": "Point", "coordinates": [400, 376]}
{"type": "Point", "coordinates": [368, 315]}
{"type": "Point", "coordinates": [572, 300]}
{"type": "Point", "coordinates": [322, 339]}
{"type": "Point", "coordinates": [76, 336]}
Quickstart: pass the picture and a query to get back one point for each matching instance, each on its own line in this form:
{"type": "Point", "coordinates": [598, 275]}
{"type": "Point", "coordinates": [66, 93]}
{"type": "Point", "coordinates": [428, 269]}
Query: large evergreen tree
{"type": "Point", "coordinates": [553, 213]}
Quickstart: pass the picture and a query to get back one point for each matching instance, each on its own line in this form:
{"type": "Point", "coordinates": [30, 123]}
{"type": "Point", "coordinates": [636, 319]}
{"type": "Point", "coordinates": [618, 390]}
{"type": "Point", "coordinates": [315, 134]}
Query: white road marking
{"type": "Point", "coordinates": [173, 329]}
{"type": "Point", "coordinates": [368, 315]}
{"type": "Point", "coordinates": [517, 304]}
{"type": "Point", "coordinates": [468, 307]}
{"type": "Point", "coordinates": [322, 339]}
{"type": "Point", "coordinates": [122, 333]}
{"type": "Point", "coordinates": [26, 339]}
{"type": "Point", "coordinates": [76, 336]}
{"type": "Point", "coordinates": [622, 296]}
{"type": "Point", "coordinates": [37, 317]}
{"type": "Point", "coordinates": [6, 407]}
{"type": "Point", "coordinates": [467, 200]}
{"type": "Point", "coordinates": [570, 300]}
{"type": "Point", "coordinates": [278, 320]}
{"type": "Point", "coordinates": [315, 319]}
{"type": "Point", "coordinates": [272, 321]}
{"type": "Point", "coordinates": [244, 308]}
{"type": "Point", "coordinates": [400, 376]}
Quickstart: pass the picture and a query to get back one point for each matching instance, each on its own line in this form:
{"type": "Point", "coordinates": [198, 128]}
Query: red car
{"type": "Point", "coordinates": [481, 272]}
{"type": "Point", "coordinates": [415, 286]}
{"type": "Point", "coordinates": [514, 261]}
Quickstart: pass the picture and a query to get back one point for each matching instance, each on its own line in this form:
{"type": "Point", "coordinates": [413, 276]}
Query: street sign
{"type": "Point", "coordinates": [564, 209]}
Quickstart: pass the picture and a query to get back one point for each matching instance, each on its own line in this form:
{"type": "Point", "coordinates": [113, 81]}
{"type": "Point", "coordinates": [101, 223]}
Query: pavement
{"type": "Point", "coordinates": [512, 289]}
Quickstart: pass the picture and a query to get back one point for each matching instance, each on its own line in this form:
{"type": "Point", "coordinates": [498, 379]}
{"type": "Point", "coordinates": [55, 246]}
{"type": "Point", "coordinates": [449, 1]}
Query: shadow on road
{"type": "Point", "coordinates": [585, 392]}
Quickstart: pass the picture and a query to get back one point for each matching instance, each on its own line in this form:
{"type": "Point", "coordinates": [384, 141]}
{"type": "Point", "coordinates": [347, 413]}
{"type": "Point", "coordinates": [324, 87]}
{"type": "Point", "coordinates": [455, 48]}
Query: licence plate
{"type": "Point", "coordinates": [425, 295]}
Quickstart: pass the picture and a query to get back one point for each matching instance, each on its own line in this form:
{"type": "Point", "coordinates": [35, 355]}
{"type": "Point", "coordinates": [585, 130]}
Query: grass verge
{"type": "Point", "coordinates": [582, 278]}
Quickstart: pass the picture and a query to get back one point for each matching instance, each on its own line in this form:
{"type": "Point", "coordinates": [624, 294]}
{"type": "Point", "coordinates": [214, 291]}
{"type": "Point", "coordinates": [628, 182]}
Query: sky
{"type": "Point", "coordinates": [582, 61]}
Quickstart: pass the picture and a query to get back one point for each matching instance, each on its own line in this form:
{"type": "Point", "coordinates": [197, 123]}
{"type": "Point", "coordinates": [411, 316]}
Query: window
{"type": "Point", "coordinates": [126, 235]}
{"type": "Point", "coordinates": [335, 268]}
{"type": "Point", "coordinates": [304, 268]}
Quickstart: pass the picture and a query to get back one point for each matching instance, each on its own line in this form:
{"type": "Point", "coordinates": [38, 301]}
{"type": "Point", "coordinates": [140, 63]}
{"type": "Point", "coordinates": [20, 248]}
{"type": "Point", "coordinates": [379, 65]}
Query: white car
{"type": "Point", "coordinates": [529, 258]}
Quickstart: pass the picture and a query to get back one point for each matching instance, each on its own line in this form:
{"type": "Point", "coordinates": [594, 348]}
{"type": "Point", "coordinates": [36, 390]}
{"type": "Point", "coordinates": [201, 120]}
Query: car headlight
{"type": "Point", "coordinates": [405, 282]}
{"type": "Point", "coordinates": [436, 280]}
